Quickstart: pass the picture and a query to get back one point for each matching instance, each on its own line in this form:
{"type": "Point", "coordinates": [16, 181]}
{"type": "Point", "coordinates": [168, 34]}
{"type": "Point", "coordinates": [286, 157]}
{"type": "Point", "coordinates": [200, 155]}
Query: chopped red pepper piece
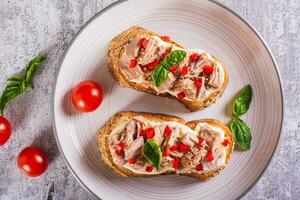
{"type": "Point", "coordinates": [201, 140]}
{"type": "Point", "coordinates": [149, 168]}
{"type": "Point", "coordinates": [165, 38]}
{"type": "Point", "coordinates": [120, 149]}
{"type": "Point", "coordinates": [208, 69]}
{"type": "Point", "coordinates": [194, 57]}
{"type": "Point", "coordinates": [181, 95]}
{"type": "Point", "coordinates": [148, 132]}
{"type": "Point", "coordinates": [176, 163]}
{"type": "Point", "coordinates": [173, 69]}
{"type": "Point", "coordinates": [173, 148]}
{"type": "Point", "coordinates": [143, 42]}
{"type": "Point", "coordinates": [153, 64]}
{"type": "Point", "coordinates": [199, 167]}
{"type": "Point", "coordinates": [183, 148]}
{"type": "Point", "coordinates": [132, 160]}
{"type": "Point", "coordinates": [198, 83]}
{"type": "Point", "coordinates": [225, 143]}
{"type": "Point", "coordinates": [166, 152]}
{"type": "Point", "coordinates": [209, 156]}
{"type": "Point", "coordinates": [165, 54]}
{"type": "Point", "coordinates": [184, 70]}
{"type": "Point", "coordinates": [167, 131]}
{"type": "Point", "coordinates": [133, 63]}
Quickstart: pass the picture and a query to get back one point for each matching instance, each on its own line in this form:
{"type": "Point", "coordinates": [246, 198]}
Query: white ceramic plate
{"type": "Point", "coordinates": [194, 24]}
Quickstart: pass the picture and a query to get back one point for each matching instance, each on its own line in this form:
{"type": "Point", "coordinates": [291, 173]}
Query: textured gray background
{"type": "Point", "coordinates": [28, 27]}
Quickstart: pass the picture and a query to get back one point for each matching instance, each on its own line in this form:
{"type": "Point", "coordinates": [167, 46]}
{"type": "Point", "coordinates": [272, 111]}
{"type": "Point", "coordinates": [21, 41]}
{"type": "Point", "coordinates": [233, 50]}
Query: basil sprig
{"type": "Point", "coordinates": [152, 152]}
{"type": "Point", "coordinates": [16, 85]}
{"type": "Point", "coordinates": [240, 131]}
{"type": "Point", "coordinates": [161, 72]}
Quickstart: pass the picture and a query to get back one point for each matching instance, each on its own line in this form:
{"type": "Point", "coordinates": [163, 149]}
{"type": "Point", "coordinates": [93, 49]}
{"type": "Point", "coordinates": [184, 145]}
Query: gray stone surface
{"type": "Point", "coordinates": [28, 27]}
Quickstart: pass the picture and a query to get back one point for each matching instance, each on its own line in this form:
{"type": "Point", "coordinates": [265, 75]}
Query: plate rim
{"type": "Point", "coordinates": [245, 21]}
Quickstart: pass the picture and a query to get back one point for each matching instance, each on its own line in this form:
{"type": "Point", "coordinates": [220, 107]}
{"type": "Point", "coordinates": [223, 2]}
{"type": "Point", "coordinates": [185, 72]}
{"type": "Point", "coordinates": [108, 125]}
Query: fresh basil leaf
{"type": "Point", "coordinates": [152, 152]}
{"type": "Point", "coordinates": [242, 102]}
{"type": "Point", "coordinates": [160, 73]}
{"type": "Point", "coordinates": [33, 66]}
{"type": "Point", "coordinates": [175, 57]}
{"type": "Point", "coordinates": [241, 133]}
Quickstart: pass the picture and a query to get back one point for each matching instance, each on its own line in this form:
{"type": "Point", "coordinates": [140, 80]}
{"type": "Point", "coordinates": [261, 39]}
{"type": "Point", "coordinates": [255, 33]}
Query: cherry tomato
{"type": "Point", "coordinates": [87, 96]}
{"type": "Point", "coordinates": [32, 161]}
{"type": "Point", "coordinates": [5, 130]}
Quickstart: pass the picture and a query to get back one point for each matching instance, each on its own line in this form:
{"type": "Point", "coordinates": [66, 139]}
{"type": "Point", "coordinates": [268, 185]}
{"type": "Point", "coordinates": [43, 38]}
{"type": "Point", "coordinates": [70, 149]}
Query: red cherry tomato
{"type": "Point", "coordinates": [87, 96]}
{"type": "Point", "coordinates": [5, 130]}
{"type": "Point", "coordinates": [32, 161]}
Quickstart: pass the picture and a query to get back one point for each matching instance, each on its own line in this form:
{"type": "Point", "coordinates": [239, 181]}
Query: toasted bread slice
{"type": "Point", "coordinates": [116, 49]}
{"type": "Point", "coordinates": [105, 131]}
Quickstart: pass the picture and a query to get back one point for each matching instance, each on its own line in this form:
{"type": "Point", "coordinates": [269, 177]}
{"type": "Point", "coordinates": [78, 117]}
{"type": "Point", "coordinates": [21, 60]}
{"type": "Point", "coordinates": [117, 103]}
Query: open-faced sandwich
{"type": "Point", "coordinates": [144, 144]}
{"type": "Point", "coordinates": [148, 62]}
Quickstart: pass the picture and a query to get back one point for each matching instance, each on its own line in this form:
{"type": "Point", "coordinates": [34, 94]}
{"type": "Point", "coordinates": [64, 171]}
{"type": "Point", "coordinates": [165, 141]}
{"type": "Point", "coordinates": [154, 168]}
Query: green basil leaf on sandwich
{"type": "Point", "coordinates": [152, 153]}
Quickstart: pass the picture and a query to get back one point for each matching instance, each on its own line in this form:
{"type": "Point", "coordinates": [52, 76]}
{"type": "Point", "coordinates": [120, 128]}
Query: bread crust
{"type": "Point", "coordinates": [115, 52]}
{"type": "Point", "coordinates": [104, 132]}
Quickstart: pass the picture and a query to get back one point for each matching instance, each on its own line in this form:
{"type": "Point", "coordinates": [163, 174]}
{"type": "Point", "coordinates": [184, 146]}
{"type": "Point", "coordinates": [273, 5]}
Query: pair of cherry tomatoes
{"type": "Point", "coordinates": [31, 161]}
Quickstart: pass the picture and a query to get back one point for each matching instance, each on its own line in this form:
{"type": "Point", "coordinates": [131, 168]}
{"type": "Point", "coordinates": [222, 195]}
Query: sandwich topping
{"type": "Point", "coordinates": [157, 63]}
{"type": "Point", "coordinates": [153, 147]}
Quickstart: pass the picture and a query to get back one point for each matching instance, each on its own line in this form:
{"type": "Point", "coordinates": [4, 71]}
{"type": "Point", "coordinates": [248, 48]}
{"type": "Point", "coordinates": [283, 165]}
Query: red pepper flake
{"type": "Point", "coordinates": [148, 132]}
{"type": "Point", "coordinates": [225, 143]}
{"type": "Point", "coordinates": [184, 70]}
{"type": "Point", "coordinates": [143, 43]}
{"type": "Point", "coordinates": [132, 161]}
{"type": "Point", "coordinates": [165, 38]}
{"type": "Point", "coordinates": [209, 156]}
{"type": "Point", "coordinates": [165, 54]}
{"type": "Point", "coordinates": [194, 57]}
{"type": "Point", "coordinates": [173, 69]}
{"type": "Point", "coordinates": [198, 83]}
{"type": "Point", "coordinates": [173, 148]}
{"type": "Point", "coordinates": [176, 163]}
{"type": "Point", "coordinates": [149, 168]}
{"type": "Point", "coordinates": [201, 140]}
{"type": "Point", "coordinates": [133, 63]}
{"type": "Point", "coordinates": [181, 95]}
{"type": "Point", "coordinates": [166, 152]}
{"type": "Point", "coordinates": [183, 148]}
{"type": "Point", "coordinates": [152, 65]}
{"type": "Point", "coordinates": [167, 131]}
{"type": "Point", "coordinates": [199, 167]}
{"type": "Point", "coordinates": [208, 69]}
{"type": "Point", "coordinates": [120, 149]}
